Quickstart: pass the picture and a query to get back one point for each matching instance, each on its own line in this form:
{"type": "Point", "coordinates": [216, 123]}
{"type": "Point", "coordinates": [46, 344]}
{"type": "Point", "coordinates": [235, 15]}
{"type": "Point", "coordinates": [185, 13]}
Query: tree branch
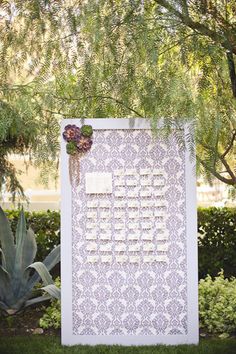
{"type": "Point", "coordinates": [101, 97]}
{"type": "Point", "coordinates": [232, 73]}
{"type": "Point", "coordinates": [229, 181]}
{"type": "Point", "coordinates": [200, 27]}
{"type": "Point", "coordinates": [230, 144]}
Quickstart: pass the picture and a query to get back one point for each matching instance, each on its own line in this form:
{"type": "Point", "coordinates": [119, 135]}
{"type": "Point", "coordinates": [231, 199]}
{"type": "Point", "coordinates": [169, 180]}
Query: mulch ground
{"type": "Point", "coordinates": [25, 323]}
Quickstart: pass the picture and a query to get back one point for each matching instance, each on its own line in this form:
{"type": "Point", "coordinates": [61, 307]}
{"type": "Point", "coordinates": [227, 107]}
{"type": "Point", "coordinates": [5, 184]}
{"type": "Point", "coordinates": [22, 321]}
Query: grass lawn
{"type": "Point", "coordinates": [51, 345]}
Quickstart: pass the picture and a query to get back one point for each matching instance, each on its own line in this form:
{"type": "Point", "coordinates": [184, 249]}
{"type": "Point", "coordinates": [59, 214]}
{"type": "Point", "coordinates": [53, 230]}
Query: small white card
{"type": "Point", "coordinates": [134, 237]}
{"type": "Point", "coordinates": [146, 203]}
{"type": "Point", "coordinates": [92, 259]}
{"type": "Point", "coordinates": [130, 172]}
{"type": "Point", "coordinates": [92, 247]}
{"type": "Point", "coordinates": [145, 193]}
{"type": "Point", "coordinates": [133, 203]}
{"type": "Point", "coordinates": [105, 204]}
{"type": "Point", "coordinates": [98, 183]}
{"type": "Point", "coordinates": [119, 237]}
{"type": "Point", "coordinates": [133, 226]}
{"type": "Point", "coordinates": [157, 172]}
{"type": "Point", "coordinates": [148, 247]}
{"type": "Point", "coordinates": [160, 203]}
{"type": "Point", "coordinates": [134, 259]}
{"type": "Point", "coordinates": [160, 225]}
{"type": "Point", "coordinates": [161, 258]}
{"type": "Point", "coordinates": [106, 248]}
{"type": "Point", "coordinates": [158, 182]}
{"type": "Point", "coordinates": [105, 236]}
{"type": "Point", "coordinates": [146, 225]}
{"type": "Point", "coordinates": [119, 204]}
{"type": "Point", "coordinates": [146, 182]}
{"type": "Point", "coordinates": [90, 226]}
{"type": "Point", "coordinates": [133, 214]}
{"type": "Point", "coordinates": [159, 213]}
{"type": "Point", "coordinates": [119, 182]}
{"type": "Point", "coordinates": [119, 226]}
{"type": "Point", "coordinates": [119, 214]}
{"type": "Point", "coordinates": [105, 214]}
{"type": "Point", "coordinates": [134, 248]}
{"type": "Point", "coordinates": [148, 259]}
{"type": "Point", "coordinates": [119, 172]}
{"type": "Point", "coordinates": [147, 236]}
{"type": "Point", "coordinates": [133, 193]}
{"type": "Point", "coordinates": [106, 259]}
{"type": "Point", "coordinates": [131, 182]}
{"type": "Point", "coordinates": [92, 203]}
{"type": "Point", "coordinates": [120, 247]}
{"type": "Point", "coordinates": [105, 226]}
{"type": "Point", "coordinates": [162, 247]}
{"type": "Point", "coordinates": [121, 259]}
{"type": "Point", "coordinates": [91, 214]}
{"type": "Point", "coordinates": [158, 193]}
{"type": "Point", "coordinates": [120, 193]}
{"type": "Point", "coordinates": [162, 236]}
{"type": "Point", "coordinates": [147, 214]}
{"type": "Point", "coordinates": [145, 171]}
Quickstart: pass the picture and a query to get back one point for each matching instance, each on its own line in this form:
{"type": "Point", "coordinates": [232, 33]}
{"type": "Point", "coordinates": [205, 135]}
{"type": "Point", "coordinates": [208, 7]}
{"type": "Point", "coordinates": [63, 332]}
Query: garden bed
{"type": "Point", "coordinates": [25, 323]}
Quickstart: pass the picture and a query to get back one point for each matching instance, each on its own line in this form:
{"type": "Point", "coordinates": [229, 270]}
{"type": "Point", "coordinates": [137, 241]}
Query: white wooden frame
{"type": "Point", "coordinates": [68, 338]}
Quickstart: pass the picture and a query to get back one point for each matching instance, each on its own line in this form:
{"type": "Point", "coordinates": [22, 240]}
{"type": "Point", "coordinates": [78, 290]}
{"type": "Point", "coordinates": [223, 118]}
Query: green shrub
{"type": "Point", "coordinates": [46, 226]}
{"type": "Point", "coordinates": [217, 241]}
{"type": "Point", "coordinates": [217, 304]}
{"type": "Point", "coordinates": [52, 316]}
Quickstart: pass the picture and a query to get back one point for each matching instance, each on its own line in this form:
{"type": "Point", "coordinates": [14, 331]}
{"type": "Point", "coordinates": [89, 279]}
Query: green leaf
{"type": "Point", "coordinates": [37, 300]}
{"type": "Point", "coordinates": [53, 258]}
{"type": "Point", "coordinates": [7, 242]}
{"type": "Point", "coordinates": [6, 294]}
{"type": "Point", "coordinates": [29, 248]}
{"type": "Point", "coordinates": [3, 258]}
{"type": "Point", "coordinates": [53, 290]}
{"type": "Point", "coordinates": [43, 272]}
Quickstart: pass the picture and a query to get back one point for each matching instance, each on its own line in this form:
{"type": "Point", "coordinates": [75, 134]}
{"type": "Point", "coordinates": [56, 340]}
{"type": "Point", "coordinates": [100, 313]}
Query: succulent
{"type": "Point", "coordinates": [71, 148]}
{"type": "Point", "coordinates": [71, 133]}
{"type": "Point", "coordinates": [18, 275]}
{"type": "Point", "coordinates": [86, 130]}
{"type": "Point", "coordinates": [84, 144]}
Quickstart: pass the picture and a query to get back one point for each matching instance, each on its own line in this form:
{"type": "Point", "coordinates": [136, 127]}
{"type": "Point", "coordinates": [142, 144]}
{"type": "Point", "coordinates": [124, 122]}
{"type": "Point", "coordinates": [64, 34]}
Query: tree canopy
{"type": "Point", "coordinates": [156, 59]}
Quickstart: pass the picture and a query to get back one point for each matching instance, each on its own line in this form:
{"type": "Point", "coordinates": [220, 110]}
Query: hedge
{"type": "Point", "coordinates": [216, 241]}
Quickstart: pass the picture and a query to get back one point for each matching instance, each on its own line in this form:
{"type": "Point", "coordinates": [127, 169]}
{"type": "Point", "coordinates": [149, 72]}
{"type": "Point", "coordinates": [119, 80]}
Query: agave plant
{"type": "Point", "coordinates": [18, 273]}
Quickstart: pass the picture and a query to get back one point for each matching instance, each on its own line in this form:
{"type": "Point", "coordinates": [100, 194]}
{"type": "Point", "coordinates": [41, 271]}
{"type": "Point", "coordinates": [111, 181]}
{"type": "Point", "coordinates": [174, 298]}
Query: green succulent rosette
{"type": "Point", "coordinates": [71, 148]}
{"type": "Point", "coordinates": [86, 130]}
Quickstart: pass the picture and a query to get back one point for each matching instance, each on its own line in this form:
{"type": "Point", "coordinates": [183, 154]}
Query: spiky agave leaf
{"type": "Point", "coordinates": [7, 242]}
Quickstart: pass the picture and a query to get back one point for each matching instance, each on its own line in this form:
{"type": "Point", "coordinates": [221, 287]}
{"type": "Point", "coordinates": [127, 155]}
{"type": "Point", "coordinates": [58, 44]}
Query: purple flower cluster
{"type": "Point", "coordinates": [76, 140]}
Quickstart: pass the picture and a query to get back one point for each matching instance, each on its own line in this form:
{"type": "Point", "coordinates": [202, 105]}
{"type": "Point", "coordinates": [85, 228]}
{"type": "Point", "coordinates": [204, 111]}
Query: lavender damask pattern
{"type": "Point", "coordinates": [131, 299]}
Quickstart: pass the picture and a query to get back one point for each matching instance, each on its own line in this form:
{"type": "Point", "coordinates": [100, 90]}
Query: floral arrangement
{"type": "Point", "coordinates": [79, 140]}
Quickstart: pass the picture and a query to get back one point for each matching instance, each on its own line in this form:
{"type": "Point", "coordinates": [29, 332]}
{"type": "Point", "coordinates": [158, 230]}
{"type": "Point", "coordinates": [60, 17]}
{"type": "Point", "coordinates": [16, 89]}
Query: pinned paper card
{"type": "Point", "coordinates": [92, 247]}
{"type": "Point", "coordinates": [133, 237]}
{"type": "Point", "coordinates": [134, 248]}
{"type": "Point", "coordinates": [148, 247]}
{"type": "Point", "coordinates": [121, 259]}
{"type": "Point", "coordinates": [106, 259]}
{"type": "Point", "coordinates": [98, 183]}
{"type": "Point", "coordinates": [120, 247]}
{"type": "Point", "coordinates": [119, 237]}
{"type": "Point", "coordinates": [92, 259]}
{"type": "Point", "coordinates": [105, 236]}
{"type": "Point", "coordinates": [106, 248]}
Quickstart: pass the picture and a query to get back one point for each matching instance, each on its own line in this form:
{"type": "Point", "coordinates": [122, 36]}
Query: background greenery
{"type": "Point", "coordinates": [216, 241]}
{"type": "Point", "coordinates": [113, 58]}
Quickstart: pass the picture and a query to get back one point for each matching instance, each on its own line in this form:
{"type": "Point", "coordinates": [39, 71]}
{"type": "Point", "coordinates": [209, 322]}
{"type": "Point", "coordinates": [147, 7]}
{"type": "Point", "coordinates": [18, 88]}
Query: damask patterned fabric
{"type": "Point", "coordinates": [131, 299]}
